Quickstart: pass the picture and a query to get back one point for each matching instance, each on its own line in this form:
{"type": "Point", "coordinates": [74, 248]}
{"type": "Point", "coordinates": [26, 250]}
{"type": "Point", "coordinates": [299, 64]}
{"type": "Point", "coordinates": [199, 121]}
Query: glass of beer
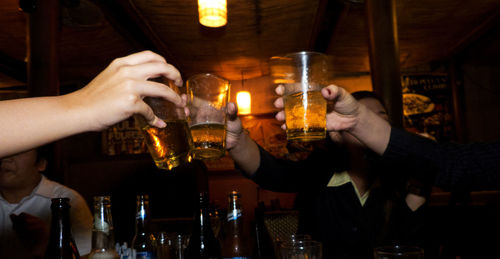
{"type": "Point", "coordinates": [169, 146]}
{"type": "Point", "coordinates": [207, 99]}
{"type": "Point", "coordinates": [303, 75]}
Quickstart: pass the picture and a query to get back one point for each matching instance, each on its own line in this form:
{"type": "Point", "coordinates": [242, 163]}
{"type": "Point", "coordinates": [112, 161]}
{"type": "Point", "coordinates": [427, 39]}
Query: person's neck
{"type": "Point", "coordinates": [359, 173]}
{"type": "Point", "coordinates": [15, 195]}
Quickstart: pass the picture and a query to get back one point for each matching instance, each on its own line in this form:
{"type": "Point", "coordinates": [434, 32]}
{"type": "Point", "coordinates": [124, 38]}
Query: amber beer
{"type": "Point", "coordinates": [209, 140]}
{"type": "Point", "coordinates": [305, 114]}
{"type": "Point", "coordinates": [169, 146]}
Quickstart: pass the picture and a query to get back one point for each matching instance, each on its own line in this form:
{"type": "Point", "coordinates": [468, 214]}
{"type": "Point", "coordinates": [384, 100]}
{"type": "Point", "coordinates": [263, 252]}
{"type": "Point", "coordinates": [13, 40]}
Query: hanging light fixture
{"type": "Point", "coordinates": [243, 99]}
{"type": "Point", "coordinates": [212, 13]}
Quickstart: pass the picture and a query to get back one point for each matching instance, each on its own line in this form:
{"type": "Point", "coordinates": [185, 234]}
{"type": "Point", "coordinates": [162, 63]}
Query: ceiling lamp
{"type": "Point", "coordinates": [243, 99]}
{"type": "Point", "coordinates": [212, 13]}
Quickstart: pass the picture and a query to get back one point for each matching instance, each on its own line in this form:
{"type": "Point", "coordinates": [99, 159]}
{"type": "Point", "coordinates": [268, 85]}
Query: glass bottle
{"type": "Point", "coordinates": [61, 243]}
{"type": "Point", "coordinates": [235, 241]}
{"type": "Point", "coordinates": [202, 243]}
{"type": "Point", "coordinates": [144, 241]}
{"type": "Point", "coordinates": [103, 240]}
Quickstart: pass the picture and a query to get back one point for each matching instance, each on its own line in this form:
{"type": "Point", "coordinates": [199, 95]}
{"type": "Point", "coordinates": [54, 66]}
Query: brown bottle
{"type": "Point", "coordinates": [235, 241]}
{"type": "Point", "coordinates": [61, 243]}
{"type": "Point", "coordinates": [202, 243]}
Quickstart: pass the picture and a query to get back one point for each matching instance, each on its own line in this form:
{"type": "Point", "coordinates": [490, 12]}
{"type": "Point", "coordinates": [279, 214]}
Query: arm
{"type": "Point", "coordinates": [242, 148]}
{"type": "Point", "coordinates": [114, 95]}
{"type": "Point", "coordinates": [265, 169]}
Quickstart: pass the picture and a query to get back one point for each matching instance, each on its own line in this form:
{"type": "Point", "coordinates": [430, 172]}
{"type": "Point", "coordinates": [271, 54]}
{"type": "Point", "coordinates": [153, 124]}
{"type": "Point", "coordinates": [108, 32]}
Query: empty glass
{"type": "Point", "coordinates": [398, 252]}
{"type": "Point", "coordinates": [301, 249]}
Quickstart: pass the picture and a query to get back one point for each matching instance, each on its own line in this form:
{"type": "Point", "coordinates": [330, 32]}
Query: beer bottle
{"type": "Point", "coordinates": [202, 244]}
{"type": "Point", "coordinates": [144, 241]}
{"type": "Point", "coordinates": [61, 243]}
{"type": "Point", "coordinates": [103, 240]}
{"type": "Point", "coordinates": [235, 241]}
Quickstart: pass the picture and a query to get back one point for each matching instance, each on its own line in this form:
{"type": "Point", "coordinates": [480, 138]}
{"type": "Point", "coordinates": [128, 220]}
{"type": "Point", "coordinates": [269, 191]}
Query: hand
{"type": "Point", "coordinates": [117, 93]}
{"type": "Point", "coordinates": [32, 232]}
{"type": "Point", "coordinates": [234, 127]}
{"type": "Point", "coordinates": [343, 109]}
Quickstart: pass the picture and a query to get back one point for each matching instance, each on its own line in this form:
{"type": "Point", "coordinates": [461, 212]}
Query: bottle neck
{"type": "Point", "coordinates": [61, 242]}
{"type": "Point", "coordinates": [60, 224]}
{"type": "Point", "coordinates": [142, 218]}
{"type": "Point", "coordinates": [103, 231]}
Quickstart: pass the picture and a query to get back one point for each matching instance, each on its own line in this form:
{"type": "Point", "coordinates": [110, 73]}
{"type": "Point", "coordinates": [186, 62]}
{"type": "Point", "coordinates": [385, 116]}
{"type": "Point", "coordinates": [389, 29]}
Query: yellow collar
{"type": "Point", "coordinates": [339, 179]}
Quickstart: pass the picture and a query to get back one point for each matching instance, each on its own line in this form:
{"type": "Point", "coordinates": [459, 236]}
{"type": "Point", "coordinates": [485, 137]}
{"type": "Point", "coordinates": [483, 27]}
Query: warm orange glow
{"type": "Point", "coordinates": [244, 101]}
{"type": "Point", "coordinates": [212, 13]}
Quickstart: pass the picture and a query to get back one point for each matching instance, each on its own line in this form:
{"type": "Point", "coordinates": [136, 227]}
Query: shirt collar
{"type": "Point", "coordinates": [44, 188]}
{"type": "Point", "coordinates": [339, 179]}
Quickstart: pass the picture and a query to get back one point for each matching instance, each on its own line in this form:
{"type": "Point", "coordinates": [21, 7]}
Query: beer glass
{"type": "Point", "coordinates": [207, 99]}
{"type": "Point", "coordinates": [303, 75]}
{"type": "Point", "coordinates": [169, 146]}
{"type": "Point", "coordinates": [301, 249]}
{"type": "Point", "coordinates": [398, 252]}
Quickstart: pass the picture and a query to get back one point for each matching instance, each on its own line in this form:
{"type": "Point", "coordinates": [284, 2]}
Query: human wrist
{"type": "Point", "coordinates": [239, 137]}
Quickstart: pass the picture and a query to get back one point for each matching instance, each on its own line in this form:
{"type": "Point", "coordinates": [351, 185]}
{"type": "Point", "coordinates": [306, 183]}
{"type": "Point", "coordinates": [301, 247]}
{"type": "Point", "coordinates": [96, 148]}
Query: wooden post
{"type": "Point", "coordinates": [43, 61]}
{"type": "Point", "coordinates": [43, 64]}
{"type": "Point", "coordinates": [384, 56]}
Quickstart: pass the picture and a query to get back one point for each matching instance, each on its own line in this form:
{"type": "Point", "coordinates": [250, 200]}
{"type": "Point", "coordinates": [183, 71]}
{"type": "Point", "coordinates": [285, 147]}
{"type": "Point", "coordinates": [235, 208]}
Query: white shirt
{"type": "Point", "coordinates": [38, 204]}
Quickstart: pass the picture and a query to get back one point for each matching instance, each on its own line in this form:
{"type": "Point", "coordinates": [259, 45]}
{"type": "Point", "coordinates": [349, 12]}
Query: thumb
{"type": "Point", "coordinates": [232, 111]}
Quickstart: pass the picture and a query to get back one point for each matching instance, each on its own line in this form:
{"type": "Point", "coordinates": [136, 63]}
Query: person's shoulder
{"type": "Point", "coordinates": [57, 190]}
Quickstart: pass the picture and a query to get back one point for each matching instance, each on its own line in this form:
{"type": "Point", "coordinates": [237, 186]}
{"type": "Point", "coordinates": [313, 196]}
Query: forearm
{"type": "Point", "coordinates": [372, 130]}
{"type": "Point", "coordinates": [246, 154]}
{"type": "Point", "coordinates": [31, 122]}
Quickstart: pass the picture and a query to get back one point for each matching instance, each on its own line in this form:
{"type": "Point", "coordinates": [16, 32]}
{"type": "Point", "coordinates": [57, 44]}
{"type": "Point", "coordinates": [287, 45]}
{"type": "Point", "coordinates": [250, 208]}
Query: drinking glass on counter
{"type": "Point", "coordinates": [301, 249]}
{"type": "Point", "coordinates": [303, 74]}
{"type": "Point", "coordinates": [398, 252]}
{"type": "Point", "coordinates": [207, 99]}
{"type": "Point", "coordinates": [169, 146]}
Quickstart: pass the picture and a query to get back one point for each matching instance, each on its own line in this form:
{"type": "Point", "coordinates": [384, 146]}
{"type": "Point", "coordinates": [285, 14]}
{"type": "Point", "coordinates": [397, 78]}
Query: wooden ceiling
{"type": "Point", "coordinates": [94, 32]}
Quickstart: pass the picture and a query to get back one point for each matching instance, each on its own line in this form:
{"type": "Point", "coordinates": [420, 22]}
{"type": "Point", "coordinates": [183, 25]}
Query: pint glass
{"type": "Point", "coordinates": [207, 99]}
{"type": "Point", "coordinates": [170, 146]}
{"type": "Point", "coordinates": [303, 75]}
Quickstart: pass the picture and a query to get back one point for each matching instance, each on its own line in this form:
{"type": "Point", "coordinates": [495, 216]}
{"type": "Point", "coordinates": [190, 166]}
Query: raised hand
{"type": "Point", "coordinates": [118, 92]}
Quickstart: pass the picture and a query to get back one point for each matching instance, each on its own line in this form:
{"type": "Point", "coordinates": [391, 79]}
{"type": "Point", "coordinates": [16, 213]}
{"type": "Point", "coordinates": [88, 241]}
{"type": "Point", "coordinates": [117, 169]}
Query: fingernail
{"type": "Point", "coordinates": [161, 124]}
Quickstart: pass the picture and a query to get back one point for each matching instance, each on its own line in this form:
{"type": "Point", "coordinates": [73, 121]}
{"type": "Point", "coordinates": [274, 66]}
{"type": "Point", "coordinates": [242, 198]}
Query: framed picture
{"type": "Point", "coordinates": [428, 105]}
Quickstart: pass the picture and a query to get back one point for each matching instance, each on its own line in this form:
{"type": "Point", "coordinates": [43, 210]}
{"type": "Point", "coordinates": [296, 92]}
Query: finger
{"type": "Point", "coordinates": [232, 111]}
{"type": "Point", "coordinates": [151, 70]}
{"type": "Point", "coordinates": [139, 58]}
{"type": "Point", "coordinates": [280, 116]}
{"type": "Point", "coordinates": [283, 126]}
{"type": "Point", "coordinates": [155, 89]}
{"type": "Point", "coordinates": [278, 103]}
{"type": "Point", "coordinates": [280, 90]}
{"type": "Point", "coordinates": [149, 115]}
{"type": "Point", "coordinates": [174, 75]}
{"type": "Point", "coordinates": [331, 92]}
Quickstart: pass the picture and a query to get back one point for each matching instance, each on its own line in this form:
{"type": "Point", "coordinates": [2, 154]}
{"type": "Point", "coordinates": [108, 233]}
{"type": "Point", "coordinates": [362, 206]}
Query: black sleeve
{"type": "Point", "coordinates": [283, 175]}
{"type": "Point", "coordinates": [450, 165]}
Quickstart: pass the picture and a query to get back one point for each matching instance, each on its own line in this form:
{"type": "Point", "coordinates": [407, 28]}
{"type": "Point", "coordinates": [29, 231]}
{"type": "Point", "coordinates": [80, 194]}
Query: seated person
{"type": "Point", "coordinates": [347, 199]}
{"type": "Point", "coordinates": [25, 199]}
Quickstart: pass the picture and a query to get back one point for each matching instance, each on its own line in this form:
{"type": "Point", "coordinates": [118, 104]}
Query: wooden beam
{"type": "Point", "coordinates": [487, 24]}
{"type": "Point", "coordinates": [384, 56]}
{"type": "Point", "coordinates": [129, 22]}
{"type": "Point", "coordinates": [325, 22]}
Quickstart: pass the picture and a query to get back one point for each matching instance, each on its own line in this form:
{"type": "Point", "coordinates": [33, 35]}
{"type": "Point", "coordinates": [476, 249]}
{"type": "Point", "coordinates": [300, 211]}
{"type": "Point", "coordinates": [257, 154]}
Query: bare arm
{"type": "Point", "coordinates": [114, 95]}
